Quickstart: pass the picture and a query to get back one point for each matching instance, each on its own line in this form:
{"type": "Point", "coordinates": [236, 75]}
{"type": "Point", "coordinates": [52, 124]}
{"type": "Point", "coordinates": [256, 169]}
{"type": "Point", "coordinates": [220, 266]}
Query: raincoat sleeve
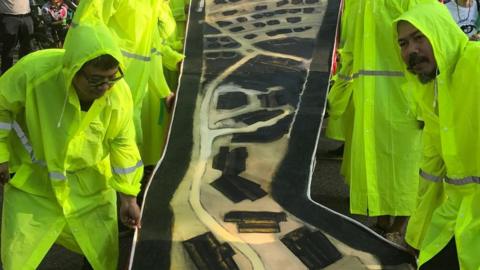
{"type": "Point", "coordinates": [410, 91]}
{"type": "Point", "coordinates": [341, 91]}
{"type": "Point", "coordinates": [96, 11]}
{"type": "Point", "coordinates": [169, 45]}
{"type": "Point", "coordinates": [339, 95]}
{"type": "Point", "coordinates": [171, 58]}
{"type": "Point", "coordinates": [127, 166]}
{"type": "Point", "coordinates": [157, 82]}
{"type": "Point", "coordinates": [178, 9]}
{"type": "Point", "coordinates": [13, 86]}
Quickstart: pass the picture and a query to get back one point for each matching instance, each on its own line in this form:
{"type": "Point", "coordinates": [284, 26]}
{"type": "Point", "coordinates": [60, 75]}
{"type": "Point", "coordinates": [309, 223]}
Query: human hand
{"type": "Point", "coordinates": [4, 173]}
{"type": "Point", "coordinates": [129, 211]}
{"type": "Point", "coordinates": [169, 101]}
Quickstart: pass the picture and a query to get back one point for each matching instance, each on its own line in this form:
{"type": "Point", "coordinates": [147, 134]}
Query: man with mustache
{"type": "Point", "coordinates": [415, 61]}
{"type": "Point", "coordinates": [443, 80]}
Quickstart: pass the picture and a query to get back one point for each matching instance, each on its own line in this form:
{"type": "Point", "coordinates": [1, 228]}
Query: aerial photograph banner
{"type": "Point", "coordinates": [232, 190]}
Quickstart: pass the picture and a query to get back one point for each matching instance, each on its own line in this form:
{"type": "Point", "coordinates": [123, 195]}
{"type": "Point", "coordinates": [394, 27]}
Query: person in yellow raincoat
{"type": "Point", "coordinates": [382, 135]}
{"type": "Point", "coordinates": [338, 117]}
{"type": "Point", "coordinates": [66, 130]}
{"type": "Point", "coordinates": [155, 109]}
{"type": "Point", "coordinates": [134, 25]}
{"type": "Point", "coordinates": [172, 43]}
{"type": "Point", "coordinates": [443, 67]}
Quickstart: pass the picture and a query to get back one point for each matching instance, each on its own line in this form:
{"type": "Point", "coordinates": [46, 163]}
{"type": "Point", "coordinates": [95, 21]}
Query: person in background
{"type": "Point", "coordinates": [55, 13]}
{"type": "Point", "coordinates": [16, 26]}
{"type": "Point", "coordinates": [135, 28]}
{"type": "Point", "coordinates": [338, 118]}
{"type": "Point", "coordinates": [466, 14]}
{"type": "Point", "coordinates": [155, 110]}
{"type": "Point", "coordinates": [382, 137]}
{"type": "Point", "coordinates": [442, 76]}
{"type": "Point", "coordinates": [66, 130]}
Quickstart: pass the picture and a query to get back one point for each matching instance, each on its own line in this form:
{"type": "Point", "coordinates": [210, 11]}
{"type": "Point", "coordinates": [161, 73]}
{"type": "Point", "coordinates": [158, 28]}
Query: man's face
{"type": "Point", "coordinates": [416, 52]}
{"type": "Point", "coordinates": [91, 82]}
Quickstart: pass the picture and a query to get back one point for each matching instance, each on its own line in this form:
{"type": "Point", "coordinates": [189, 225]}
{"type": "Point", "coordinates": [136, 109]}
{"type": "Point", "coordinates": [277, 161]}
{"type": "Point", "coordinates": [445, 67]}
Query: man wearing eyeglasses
{"type": "Point", "coordinates": [134, 25]}
{"type": "Point", "coordinates": [92, 82]}
{"type": "Point", "coordinates": [66, 131]}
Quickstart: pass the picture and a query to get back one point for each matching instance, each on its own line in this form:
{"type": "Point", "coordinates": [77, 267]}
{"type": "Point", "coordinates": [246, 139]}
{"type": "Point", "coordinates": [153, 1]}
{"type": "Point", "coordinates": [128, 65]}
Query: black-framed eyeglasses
{"type": "Point", "coordinates": [96, 81]}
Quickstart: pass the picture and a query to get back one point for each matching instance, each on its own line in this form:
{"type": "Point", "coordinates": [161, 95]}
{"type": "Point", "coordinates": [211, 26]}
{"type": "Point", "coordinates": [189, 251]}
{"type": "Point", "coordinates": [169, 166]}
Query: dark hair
{"type": "Point", "coordinates": [104, 62]}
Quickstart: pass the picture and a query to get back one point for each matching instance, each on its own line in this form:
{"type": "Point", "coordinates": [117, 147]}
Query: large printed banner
{"type": "Point", "coordinates": [232, 190]}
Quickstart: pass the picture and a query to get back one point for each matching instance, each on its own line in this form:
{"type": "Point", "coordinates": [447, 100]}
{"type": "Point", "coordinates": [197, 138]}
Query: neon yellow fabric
{"type": "Point", "coordinates": [155, 121]}
{"type": "Point", "coordinates": [178, 11]}
{"type": "Point", "coordinates": [457, 123]}
{"type": "Point", "coordinates": [172, 45]}
{"type": "Point", "coordinates": [134, 26]}
{"type": "Point", "coordinates": [383, 140]}
{"type": "Point", "coordinates": [340, 93]}
{"type": "Point", "coordinates": [336, 129]}
{"type": "Point", "coordinates": [69, 163]}
{"type": "Point", "coordinates": [430, 192]}
{"type": "Point", "coordinates": [155, 117]}
{"type": "Point", "coordinates": [169, 35]}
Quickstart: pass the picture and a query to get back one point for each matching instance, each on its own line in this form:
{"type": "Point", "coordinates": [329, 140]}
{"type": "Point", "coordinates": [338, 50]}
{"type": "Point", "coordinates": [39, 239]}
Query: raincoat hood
{"type": "Point", "coordinates": [447, 41]}
{"type": "Point", "coordinates": [84, 43]}
{"type": "Point", "coordinates": [448, 105]}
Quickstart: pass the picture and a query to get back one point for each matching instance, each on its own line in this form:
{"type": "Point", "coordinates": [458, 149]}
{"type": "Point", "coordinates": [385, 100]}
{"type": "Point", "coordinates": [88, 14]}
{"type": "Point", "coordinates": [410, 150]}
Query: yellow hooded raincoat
{"type": "Point", "coordinates": [178, 8]}
{"type": "Point", "coordinates": [339, 96]}
{"type": "Point", "coordinates": [383, 141]}
{"type": "Point", "coordinates": [155, 116]}
{"type": "Point", "coordinates": [134, 25]}
{"type": "Point", "coordinates": [450, 109]}
{"type": "Point", "coordinates": [68, 163]}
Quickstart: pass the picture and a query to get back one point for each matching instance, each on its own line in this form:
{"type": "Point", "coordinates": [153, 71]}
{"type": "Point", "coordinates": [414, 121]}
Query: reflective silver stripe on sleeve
{"type": "Point", "coordinates": [57, 176]}
{"type": "Point", "coordinates": [26, 144]}
{"type": "Point", "coordinates": [384, 73]}
{"type": "Point", "coordinates": [430, 177]}
{"type": "Point", "coordinates": [127, 170]}
{"type": "Point", "coordinates": [23, 138]}
{"type": "Point", "coordinates": [463, 181]}
{"type": "Point", "coordinates": [344, 77]}
{"type": "Point", "coordinates": [39, 162]}
{"type": "Point", "coordinates": [379, 73]}
{"type": "Point", "coordinates": [5, 126]}
{"type": "Point", "coordinates": [136, 56]}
